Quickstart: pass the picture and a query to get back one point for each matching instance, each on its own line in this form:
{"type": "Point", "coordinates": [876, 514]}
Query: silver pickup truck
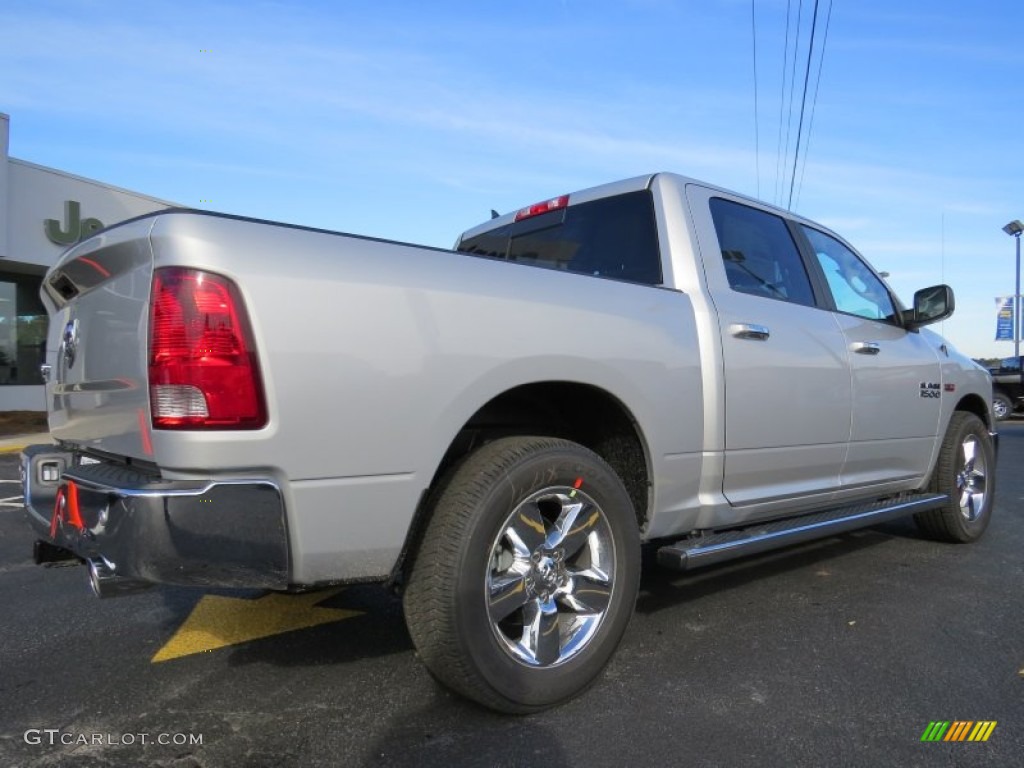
{"type": "Point", "coordinates": [496, 429]}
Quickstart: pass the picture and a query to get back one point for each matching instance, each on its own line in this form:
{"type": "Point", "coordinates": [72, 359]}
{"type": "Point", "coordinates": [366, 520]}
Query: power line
{"type": "Point", "coordinates": [792, 89]}
{"type": "Point", "coordinates": [757, 133]}
{"type": "Point", "coordinates": [787, 99]}
{"type": "Point", "coordinates": [814, 101]}
{"type": "Point", "coordinates": [803, 104]}
{"type": "Point", "coordinates": [782, 103]}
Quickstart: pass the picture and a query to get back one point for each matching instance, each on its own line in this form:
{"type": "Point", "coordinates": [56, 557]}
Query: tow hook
{"type": "Point", "coordinates": [45, 553]}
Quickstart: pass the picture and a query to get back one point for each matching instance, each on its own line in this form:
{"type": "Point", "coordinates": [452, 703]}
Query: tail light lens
{"type": "Point", "coordinates": [203, 369]}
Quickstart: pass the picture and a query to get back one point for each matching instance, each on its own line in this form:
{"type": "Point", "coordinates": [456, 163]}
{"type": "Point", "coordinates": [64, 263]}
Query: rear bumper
{"type": "Point", "coordinates": [134, 526]}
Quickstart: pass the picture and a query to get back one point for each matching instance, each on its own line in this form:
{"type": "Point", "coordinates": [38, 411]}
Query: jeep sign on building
{"type": "Point", "coordinates": [42, 212]}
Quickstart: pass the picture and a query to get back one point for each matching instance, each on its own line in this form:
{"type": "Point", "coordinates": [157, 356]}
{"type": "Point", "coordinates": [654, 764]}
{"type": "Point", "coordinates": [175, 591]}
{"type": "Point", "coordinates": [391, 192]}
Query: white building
{"type": "Point", "coordinates": [42, 212]}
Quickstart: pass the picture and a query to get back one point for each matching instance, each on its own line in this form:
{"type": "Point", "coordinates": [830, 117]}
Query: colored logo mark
{"type": "Point", "coordinates": [958, 730]}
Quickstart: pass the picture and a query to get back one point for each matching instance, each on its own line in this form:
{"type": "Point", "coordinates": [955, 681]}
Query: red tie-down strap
{"type": "Point", "coordinates": [66, 506]}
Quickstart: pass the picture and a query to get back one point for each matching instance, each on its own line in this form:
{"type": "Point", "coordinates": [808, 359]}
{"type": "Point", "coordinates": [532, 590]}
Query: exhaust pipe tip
{"type": "Point", "coordinates": [105, 582]}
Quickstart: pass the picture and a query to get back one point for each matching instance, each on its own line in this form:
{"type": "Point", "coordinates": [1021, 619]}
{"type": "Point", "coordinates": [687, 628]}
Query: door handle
{"type": "Point", "coordinates": [866, 347]}
{"type": "Point", "coordinates": [749, 331]}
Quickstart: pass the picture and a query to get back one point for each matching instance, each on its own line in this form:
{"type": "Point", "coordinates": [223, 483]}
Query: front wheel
{"type": "Point", "coordinates": [965, 472]}
{"type": "Point", "coordinates": [1002, 406]}
{"type": "Point", "coordinates": [527, 574]}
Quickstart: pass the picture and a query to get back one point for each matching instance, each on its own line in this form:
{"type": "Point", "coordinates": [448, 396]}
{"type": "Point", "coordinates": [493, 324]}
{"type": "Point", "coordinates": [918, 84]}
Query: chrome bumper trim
{"type": "Point", "coordinates": [227, 532]}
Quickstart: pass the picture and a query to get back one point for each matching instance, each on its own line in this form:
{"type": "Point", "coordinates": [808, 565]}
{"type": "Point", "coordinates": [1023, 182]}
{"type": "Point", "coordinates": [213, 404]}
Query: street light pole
{"type": "Point", "coordinates": [1015, 228]}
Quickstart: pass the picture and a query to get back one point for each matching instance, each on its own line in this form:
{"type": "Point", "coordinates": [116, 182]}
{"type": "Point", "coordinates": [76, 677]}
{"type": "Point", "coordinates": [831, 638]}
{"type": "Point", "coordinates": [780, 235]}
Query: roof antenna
{"type": "Point", "coordinates": [494, 214]}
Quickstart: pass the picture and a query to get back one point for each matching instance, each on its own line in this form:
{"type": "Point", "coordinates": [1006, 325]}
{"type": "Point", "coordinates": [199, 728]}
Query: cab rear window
{"type": "Point", "coordinates": [614, 237]}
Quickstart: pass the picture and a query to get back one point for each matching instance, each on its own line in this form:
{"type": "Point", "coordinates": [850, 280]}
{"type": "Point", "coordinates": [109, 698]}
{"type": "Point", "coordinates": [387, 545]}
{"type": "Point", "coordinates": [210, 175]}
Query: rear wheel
{"type": "Point", "coordinates": [966, 473]}
{"type": "Point", "coordinates": [527, 574]}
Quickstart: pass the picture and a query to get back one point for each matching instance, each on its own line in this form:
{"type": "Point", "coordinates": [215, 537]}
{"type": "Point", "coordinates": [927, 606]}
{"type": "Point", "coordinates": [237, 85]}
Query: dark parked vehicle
{"type": "Point", "coordinates": [1007, 387]}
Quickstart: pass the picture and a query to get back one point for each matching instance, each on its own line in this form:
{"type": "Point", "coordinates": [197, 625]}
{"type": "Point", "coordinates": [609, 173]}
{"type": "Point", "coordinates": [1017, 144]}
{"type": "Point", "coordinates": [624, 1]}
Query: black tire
{"type": "Point", "coordinates": [965, 471]}
{"type": "Point", "coordinates": [1002, 406]}
{"type": "Point", "coordinates": [492, 546]}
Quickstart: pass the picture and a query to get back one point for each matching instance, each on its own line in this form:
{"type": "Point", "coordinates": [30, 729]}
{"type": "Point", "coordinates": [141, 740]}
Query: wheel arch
{"type": "Point", "coordinates": [583, 413]}
{"type": "Point", "coordinates": [974, 403]}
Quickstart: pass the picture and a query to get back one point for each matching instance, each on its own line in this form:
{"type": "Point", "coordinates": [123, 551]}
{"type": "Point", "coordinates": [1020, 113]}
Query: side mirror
{"type": "Point", "coordinates": [930, 306]}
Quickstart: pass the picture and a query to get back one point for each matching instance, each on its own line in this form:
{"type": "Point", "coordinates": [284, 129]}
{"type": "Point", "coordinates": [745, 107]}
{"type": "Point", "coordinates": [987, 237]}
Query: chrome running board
{"type": "Point", "coordinates": [710, 548]}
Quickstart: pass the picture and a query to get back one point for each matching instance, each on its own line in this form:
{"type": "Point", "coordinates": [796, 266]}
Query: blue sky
{"type": "Point", "coordinates": [412, 120]}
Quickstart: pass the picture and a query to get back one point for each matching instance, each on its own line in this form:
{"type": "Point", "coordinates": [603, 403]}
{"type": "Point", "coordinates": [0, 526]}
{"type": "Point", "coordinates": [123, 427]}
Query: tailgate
{"type": "Point", "coordinates": [98, 299]}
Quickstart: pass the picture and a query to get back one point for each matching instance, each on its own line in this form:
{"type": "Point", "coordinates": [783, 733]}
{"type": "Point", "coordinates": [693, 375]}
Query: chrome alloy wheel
{"type": "Point", "coordinates": [1000, 408]}
{"type": "Point", "coordinates": [550, 576]}
{"type": "Point", "coordinates": [972, 478]}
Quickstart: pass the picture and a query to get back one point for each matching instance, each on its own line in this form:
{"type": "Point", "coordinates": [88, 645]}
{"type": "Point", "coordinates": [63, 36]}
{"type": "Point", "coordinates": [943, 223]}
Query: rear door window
{"type": "Point", "coordinates": [759, 253]}
{"type": "Point", "coordinates": [614, 237]}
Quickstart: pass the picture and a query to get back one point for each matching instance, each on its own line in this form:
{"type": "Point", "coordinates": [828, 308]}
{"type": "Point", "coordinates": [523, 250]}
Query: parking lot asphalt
{"type": "Point", "coordinates": [837, 653]}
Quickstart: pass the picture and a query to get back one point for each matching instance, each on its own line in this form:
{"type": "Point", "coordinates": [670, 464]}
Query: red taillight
{"type": "Point", "coordinates": [554, 204]}
{"type": "Point", "coordinates": [203, 370]}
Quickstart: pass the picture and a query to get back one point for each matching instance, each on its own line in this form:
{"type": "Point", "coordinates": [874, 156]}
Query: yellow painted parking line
{"type": "Point", "coordinates": [218, 622]}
